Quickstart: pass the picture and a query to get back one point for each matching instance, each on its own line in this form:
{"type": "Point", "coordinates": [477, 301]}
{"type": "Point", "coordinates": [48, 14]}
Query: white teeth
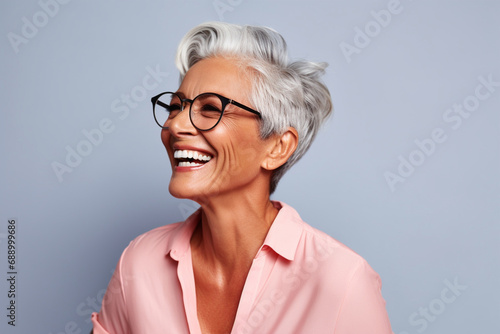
{"type": "Point", "coordinates": [185, 154]}
{"type": "Point", "coordinates": [188, 164]}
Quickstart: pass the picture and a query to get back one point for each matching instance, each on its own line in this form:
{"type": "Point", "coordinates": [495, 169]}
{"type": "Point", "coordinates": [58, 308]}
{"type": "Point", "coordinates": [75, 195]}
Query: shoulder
{"type": "Point", "coordinates": [154, 238]}
{"type": "Point", "coordinates": [325, 248]}
{"type": "Point", "coordinates": [310, 242]}
{"type": "Point", "coordinates": [150, 247]}
{"type": "Point", "coordinates": [333, 265]}
{"type": "Point", "coordinates": [148, 251]}
{"type": "Point", "coordinates": [335, 276]}
{"type": "Point", "coordinates": [346, 283]}
{"type": "Point", "coordinates": [312, 245]}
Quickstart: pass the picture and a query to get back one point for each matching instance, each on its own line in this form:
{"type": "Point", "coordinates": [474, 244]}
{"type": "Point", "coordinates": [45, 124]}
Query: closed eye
{"type": "Point", "coordinates": [173, 107]}
{"type": "Point", "coordinates": [210, 107]}
{"type": "Point", "coordinates": [210, 111]}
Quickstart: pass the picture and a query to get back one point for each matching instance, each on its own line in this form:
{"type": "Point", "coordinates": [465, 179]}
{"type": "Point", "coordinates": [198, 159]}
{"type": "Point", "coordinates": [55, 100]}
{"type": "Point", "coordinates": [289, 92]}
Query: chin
{"type": "Point", "coordinates": [184, 191]}
{"type": "Point", "coordinates": [196, 192]}
{"type": "Point", "coordinates": [178, 191]}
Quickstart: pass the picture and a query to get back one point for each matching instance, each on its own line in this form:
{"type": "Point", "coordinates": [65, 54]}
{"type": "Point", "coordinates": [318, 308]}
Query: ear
{"type": "Point", "coordinates": [281, 147]}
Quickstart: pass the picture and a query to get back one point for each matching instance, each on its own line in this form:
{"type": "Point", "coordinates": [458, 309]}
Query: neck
{"type": "Point", "coordinates": [232, 229]}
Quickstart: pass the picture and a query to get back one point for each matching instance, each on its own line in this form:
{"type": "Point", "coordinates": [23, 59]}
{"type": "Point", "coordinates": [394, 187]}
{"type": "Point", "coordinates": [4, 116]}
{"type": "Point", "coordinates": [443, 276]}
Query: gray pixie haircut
{"type": "Point", "coordinates": [287, 93]}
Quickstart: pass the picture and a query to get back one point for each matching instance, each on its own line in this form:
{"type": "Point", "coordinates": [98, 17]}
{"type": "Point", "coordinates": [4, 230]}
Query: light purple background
{"type": "Point", "coordinates": [440, 224]}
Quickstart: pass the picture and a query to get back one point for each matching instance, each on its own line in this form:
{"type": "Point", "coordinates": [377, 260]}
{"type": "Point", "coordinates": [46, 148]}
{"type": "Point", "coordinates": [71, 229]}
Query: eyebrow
{"type": "Point", "coordinates": [181, 94]}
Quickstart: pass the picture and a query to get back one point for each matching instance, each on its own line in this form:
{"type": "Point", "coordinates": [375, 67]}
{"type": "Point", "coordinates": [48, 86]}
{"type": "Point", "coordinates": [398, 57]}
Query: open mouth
{"type": "Point", "coordinates": [188, 158]}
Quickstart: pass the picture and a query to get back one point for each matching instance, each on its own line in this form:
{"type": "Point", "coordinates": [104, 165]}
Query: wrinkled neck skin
{"type": "Point", "coordinates": [232, 229]}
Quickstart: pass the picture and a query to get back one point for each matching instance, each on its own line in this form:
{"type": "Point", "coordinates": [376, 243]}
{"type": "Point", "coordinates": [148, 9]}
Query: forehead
{"type": "Point", "coordinates": [225, 76]}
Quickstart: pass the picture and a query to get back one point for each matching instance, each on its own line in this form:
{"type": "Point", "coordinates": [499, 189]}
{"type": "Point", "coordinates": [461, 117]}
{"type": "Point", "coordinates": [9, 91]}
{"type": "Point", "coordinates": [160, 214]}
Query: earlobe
{"type": "Point", "coordinates": [281, 147]}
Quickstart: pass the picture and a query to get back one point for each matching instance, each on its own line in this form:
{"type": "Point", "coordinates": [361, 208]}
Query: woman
{"type": "Point", "coordinates": [242, 116]}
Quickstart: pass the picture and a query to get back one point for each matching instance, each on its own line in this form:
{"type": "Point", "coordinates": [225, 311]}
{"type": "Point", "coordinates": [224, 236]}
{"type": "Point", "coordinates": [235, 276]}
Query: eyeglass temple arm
{"type": "Point", "coordinates": [166, 106]}
{"type": "Point", "coordinates": [245, 107]}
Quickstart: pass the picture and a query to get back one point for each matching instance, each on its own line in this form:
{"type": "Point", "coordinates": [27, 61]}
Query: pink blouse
{"type": "Point", "coordinates": [300, 281]}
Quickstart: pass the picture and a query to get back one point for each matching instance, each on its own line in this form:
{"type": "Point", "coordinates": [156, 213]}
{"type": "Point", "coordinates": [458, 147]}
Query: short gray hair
{"type": "Point", "coordinates": [287, 93]}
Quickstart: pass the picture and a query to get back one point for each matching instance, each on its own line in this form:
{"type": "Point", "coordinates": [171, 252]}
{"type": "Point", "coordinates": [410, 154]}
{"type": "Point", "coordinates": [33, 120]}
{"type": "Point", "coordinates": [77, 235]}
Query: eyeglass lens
{"type": "Point", "coordinates": [205, 110]}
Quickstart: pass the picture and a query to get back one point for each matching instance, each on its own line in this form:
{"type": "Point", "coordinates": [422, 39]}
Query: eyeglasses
{"type": "Point", "coordinates": [205, 110]}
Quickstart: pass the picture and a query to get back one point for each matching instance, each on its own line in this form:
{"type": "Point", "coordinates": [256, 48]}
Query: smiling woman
{"type": "Point", "coordinates": [242, 115]}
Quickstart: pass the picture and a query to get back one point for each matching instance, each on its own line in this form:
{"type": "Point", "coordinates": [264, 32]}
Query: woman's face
{"type": "Point", "coordinates": [234, 146]}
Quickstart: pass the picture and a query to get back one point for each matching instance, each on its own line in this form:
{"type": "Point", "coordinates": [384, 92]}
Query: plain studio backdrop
{"type": "Point", "coordinates": [405, 172]}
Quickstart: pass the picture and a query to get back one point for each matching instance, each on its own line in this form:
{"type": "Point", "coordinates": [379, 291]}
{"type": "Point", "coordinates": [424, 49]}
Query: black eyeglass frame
{"type": "Point", "coordinates": [225, 101]}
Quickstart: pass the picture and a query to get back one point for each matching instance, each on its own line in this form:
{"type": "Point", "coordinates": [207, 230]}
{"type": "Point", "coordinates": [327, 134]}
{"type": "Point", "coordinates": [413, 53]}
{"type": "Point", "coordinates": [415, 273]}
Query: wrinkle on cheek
{"type": "Point", "coordinates": [242, 150]}
{"type": "Point", "coordinates": [242, 157]}
{"type": "Point", "coordinates": [229, 164]}
{"type": "Point", "coordinates": [216, 178]}
{"type": "Point", "coordinates": [232, 162]}
{"type": "Point", "coordinates": [227, 161]}
{"type": "Point", "coordinates": [230, 122]}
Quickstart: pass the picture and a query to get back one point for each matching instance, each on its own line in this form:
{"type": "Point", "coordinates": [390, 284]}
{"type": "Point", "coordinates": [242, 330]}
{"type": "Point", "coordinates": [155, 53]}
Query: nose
{"type": "Point", "coordinates": [181, 124]}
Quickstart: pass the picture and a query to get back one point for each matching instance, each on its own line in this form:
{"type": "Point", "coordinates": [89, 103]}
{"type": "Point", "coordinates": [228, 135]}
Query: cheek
{"type": "Point", "coordinates": [241, 156]}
